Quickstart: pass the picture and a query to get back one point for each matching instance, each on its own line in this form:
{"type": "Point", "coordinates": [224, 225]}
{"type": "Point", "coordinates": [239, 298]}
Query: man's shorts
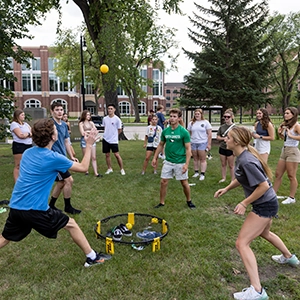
{"type": "Point", "coordinates": [19, 148]}
{"type": "Point", "coordinates": [290, 154]}
{"type": "Point", "coordinates": [225, 152]}
{"type": "Point", "coordinates": [169, 170]}
{"type": "Point", "coordinates": [20, 223]}
{"type": "Point", "coordinates": [198, 146]}
{"type": "Point", "coordinates": [106, 147]}
{"type": "Point", "coordinates": [62, 176]}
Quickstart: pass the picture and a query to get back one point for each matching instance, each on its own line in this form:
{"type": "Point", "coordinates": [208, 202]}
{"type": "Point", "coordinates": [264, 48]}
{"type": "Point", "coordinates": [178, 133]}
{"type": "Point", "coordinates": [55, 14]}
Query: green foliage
{"type": "Point", "coordinates": [197, 259]}
{"type": "Point", "coordinates": [232, 67]}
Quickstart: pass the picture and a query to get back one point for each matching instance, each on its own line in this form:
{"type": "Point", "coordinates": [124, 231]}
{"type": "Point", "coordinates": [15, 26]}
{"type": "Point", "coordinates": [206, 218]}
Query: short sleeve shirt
{"type": "Point", "coordinates": [199, 131]}
{"type": "Point", "coordinates": [150, 132]}
{"type": "Point", "coordinates": [111, 126]}
{"type": "Point", "coordinates": [63, 134]}
{"type": "Point", "coordinates": [24, 129]}
{"type": "Point", "coordinates": [250, 173]}
{"type": "Point", "coordinates": [175, 144]}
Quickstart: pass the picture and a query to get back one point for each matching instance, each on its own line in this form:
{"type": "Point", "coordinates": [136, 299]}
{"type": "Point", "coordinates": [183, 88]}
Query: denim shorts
{"type": "Point", "coordinates": [267, 209]}
{"type": "Point", "coordinates": [198, 146]}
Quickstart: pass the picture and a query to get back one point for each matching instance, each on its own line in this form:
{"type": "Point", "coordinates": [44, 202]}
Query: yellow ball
{"type": "Point", "coordinates": [104, 69]}
{"type": "Point", "coordinates": [129, 226]}
{"type": "Point", "coordinates": [154, 220]}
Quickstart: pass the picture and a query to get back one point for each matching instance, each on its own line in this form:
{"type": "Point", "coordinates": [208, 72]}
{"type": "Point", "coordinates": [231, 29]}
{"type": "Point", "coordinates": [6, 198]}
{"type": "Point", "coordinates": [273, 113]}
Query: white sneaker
{"type": "Point", "coordinates": [122, 172]}
{"type": "Point", "coordinates": [292, 261]}
{"type": "Point", "coordinates": [202, 177]}
{"type": "Point", "coordinates": [162, 156]}
{"type": "Point", "coordinates": [222, 180]}
{"type": "Point", "coordinates": [251, 294]}
{"type": "Point", "coordinates": [289, 200]}
{"type": "Point", "coordinates": [195, 175]}
{"type": "Point", "coordinates": [109, 171]}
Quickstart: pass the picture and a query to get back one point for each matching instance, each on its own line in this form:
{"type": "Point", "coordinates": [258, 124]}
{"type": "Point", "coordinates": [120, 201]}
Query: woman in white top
{"type": "Point", "coordinates": [21, 133]}
{"type": "Point", "coordinates": [151, 141]}
{"type": "Point", "coordinates": [263, 133]}
{"type": "Point", "coordinates": [85, 126]}
{"type": "Point", "coordinates": [201, 136]}
{"type": "Point", "coordinates": [289, 130]}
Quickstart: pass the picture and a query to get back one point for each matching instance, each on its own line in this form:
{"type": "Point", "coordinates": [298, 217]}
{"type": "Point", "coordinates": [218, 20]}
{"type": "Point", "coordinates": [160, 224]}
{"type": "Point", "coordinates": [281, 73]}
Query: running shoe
{"type": "Point", "coordinates": [251, 294]}
{"type": "Point", "coordinates": [292, 261]}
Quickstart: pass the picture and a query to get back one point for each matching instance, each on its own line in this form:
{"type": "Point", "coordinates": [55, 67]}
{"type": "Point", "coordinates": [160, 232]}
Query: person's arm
{"type": "Point", "coordinates": [17, 131]}
{"type": "Point", "coordinates": [80, 125]}
{"type": "Point", "coordinates": [209, 137]}
{"type": "Point", "coordinates": [229, 187]}
{"type": "Point", "coordinates": [145, 141]}
{"type": "Point", "coordinates": [257, 193]}
{"type": "Point", "coordinates": [83, 166]}
{"type": "Point", "coordinates": [69, 150]}
{"type": "Point", "coordinates": [159, 149]}
{"type": "Point", "coordinates": [271, 133]}
{"type": "Point", "coordinates": [188, 154]}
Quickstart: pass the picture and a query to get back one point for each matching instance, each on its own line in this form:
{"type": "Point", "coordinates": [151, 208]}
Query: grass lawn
{"type": "Point", "coordinates": [197, 260]}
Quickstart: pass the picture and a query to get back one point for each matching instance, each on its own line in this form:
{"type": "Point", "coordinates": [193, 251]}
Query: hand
{"type": "Point", "coordinates": [144, 146]}
{"type": "Point", "coordinates": [184, 168]}
{"type": "Point", "coordinates": [239, 209]}
{"type": "Point", "coordinates": [220, 192]}
{"type": "Point", "coordinates": [75, 159]}
{"type": "Point", "coordinates": [91, 137]}
{"type": "Point", "coordinates": [153, 163]}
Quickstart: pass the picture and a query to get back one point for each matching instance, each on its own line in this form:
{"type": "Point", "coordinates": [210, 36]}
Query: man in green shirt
{"type": "Point", "coordinates": [176, 141]}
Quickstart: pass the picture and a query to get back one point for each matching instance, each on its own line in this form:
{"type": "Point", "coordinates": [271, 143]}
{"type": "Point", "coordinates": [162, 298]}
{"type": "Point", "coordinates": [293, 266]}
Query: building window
{"type": "Point", "coordinates": [26, 83]}
{"type": "Point", "coordinates": [155, 104]}
{"type": "Point", "coordinates": [55, 85]}
{"type": "Point", "coordinates": [31, 82]}
{"type": "Point", "coordinates": [7, 84]}
{"type": "Point", "coordinates": [120, 91]}
{"type": "Point", "coordinates": [142, 108]}
{"type": "Point", "coordinates": [89, 88]}
{"type": "Point", "coordinates": [168, 98]}
{"type": "Point", "coordinates": [168, 91]}
{"type": "Point", "coordinates": [143, 74]}
{"type": "Point", "coordinates": [175, 98]}
{"type": "Point", "coordinates": [168, 105]}
{"type": "Point", "coordinates": [34, 65]}
{"type": "Point", "coordinates": [63, 102]}
{"type": "Point", "coordinates": [157, 77]}
{"type": "Point", "coordinates": [32, 103]}
{"type": "Point", "coordinates": [124, 108]}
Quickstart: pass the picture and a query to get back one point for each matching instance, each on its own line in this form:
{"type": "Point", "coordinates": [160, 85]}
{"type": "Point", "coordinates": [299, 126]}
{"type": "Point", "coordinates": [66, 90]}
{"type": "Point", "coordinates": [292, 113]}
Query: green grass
{"type": "Point", "coordinates": [197, 257]}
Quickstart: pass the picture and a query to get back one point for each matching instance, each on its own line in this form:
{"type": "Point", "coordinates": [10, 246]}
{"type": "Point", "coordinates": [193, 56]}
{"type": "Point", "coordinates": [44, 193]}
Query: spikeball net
{"type": "Point", "coordinates": [145, 229]}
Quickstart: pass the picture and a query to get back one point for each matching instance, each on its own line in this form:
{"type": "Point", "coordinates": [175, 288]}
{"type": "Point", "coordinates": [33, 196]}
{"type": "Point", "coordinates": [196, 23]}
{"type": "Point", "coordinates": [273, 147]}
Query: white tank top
{"type": "Point", "coordinates": [289, 142]}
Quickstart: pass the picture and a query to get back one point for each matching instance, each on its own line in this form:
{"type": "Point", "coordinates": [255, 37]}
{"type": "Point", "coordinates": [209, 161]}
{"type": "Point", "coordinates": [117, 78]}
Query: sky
{"type": "Point", "coordinates": [72, 17]}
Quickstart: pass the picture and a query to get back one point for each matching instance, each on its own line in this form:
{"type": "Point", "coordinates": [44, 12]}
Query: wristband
{"type": "Point", "coordinates": [243, 205]}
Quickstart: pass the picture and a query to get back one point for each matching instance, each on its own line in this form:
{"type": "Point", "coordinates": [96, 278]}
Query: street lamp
{"type": "Point", "coordinates": [82, 48]}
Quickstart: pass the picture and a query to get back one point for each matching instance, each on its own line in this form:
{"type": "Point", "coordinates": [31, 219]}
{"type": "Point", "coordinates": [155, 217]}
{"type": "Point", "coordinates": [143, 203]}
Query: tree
{"type": "Point", "coordinates": [233, 66]}
{"type": "Point", "coordinates": [285, 40]}
{"type": "Point", "coordinates": [14, 17]}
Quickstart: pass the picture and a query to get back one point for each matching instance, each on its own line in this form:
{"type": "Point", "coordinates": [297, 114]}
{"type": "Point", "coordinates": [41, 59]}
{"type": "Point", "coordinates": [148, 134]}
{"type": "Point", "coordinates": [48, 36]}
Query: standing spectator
{"type": "Point", "coordinates": [263, 133]}
{"type": "Point", "coordinates": [289, 130]}
{"type": "Point", "coordinates": [201, 136]}
{"type": "Point", "coordinates": [65, 119]}
{"type": "Point", "coordinates": [64, 180]}
{"type": "Point", "coordinates": [254, 175]}
{"type": "Point", "coordinates": [150, 116]}
{"type": "Point", "coordinates": [112, 128]}
{"type": "Point", "coordinates": [226, 155]}
{"type": "Point", "coordinates": [85, 126]}
{"type": "Point", "coordinates": [178, 155]}
{"type": "Point", "coordinates": [152, 139]}
{"type": "Point", "coordinates": [161, 122]}
{"type": "Point", "coordinates": [21, 133]}
{"type": "Point", "coordinates": [29, 207]}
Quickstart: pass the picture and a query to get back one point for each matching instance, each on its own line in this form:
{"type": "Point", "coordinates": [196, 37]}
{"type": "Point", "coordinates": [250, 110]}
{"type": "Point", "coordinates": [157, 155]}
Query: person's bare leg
{"type": "Point", "coordinates": [280, 169]}
{"type": "Point", "coordinates": [186, 189]}
{"type": "Point", "coordinates": [291, 170]}
{"type": "Point", "coordinates": [17, 159]}
{"type": "Point", "coordinates": [163, 190]}
{"type": "Point", "coordinates": [3, 241]}
{"type": "Point", "coordinates": [223, 166]}
{"type": "Point", "coordinates": [108, 160]}
{"type": "Point", "coordinates": [119, 160]}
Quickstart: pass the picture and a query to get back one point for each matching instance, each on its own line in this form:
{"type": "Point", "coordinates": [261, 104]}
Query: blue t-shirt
{"type": "Point", "coordinates": [63, 133]}
{"type": "Point", "coordinates": [161, 119]}
{"type": "Point", "coordinates": [38, 170]}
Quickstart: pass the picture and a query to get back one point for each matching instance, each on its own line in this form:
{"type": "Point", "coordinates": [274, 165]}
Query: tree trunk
{"type": "Point", "coordinates": [136, 107]}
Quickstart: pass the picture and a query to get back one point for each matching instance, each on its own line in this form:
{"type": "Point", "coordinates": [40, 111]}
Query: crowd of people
{"type": "Point", "coordinates": [244, 152]}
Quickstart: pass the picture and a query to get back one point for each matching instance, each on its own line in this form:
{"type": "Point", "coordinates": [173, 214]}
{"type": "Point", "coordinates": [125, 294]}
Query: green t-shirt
{"type": "Point", "coordinates": [175, 144]}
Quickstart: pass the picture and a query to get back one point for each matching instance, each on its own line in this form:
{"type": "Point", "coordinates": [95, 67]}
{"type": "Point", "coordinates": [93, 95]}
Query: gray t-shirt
{"type": "Point", "coordinates": [250, 173]}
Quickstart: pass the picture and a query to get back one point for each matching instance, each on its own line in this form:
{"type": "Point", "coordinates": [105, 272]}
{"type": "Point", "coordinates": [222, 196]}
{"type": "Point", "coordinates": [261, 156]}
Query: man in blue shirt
{"type": "Point", "coordinates": [62, 146]}
{"type": "Point", "coordinates": [29, 207]}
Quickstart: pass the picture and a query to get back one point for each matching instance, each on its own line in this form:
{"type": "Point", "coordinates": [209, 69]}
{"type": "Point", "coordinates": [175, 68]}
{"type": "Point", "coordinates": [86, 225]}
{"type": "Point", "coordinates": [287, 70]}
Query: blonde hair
{"type": "Point", "coordinates": [201, 112]}
{"type": "Point", "coordinates": [243, 137]}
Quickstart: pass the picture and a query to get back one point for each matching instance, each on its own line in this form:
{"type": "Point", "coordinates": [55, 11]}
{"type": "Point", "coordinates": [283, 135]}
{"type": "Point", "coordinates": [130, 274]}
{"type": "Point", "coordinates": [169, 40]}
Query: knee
{"type": "Point", "coordinates": [164, 182]}
{"type": "Point", "coordinates": [238, 245]}
{"type": "Point", "coordinates": [71, 224]}
{"type": "Point", "coordinates": [69, 181]}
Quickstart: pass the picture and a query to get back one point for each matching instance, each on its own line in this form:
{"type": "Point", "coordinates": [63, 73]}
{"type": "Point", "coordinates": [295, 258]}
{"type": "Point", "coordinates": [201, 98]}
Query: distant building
{"type": "Point", "coordinates": [38, 86]}
{"type": "Point", "coordinates": [172, 93]}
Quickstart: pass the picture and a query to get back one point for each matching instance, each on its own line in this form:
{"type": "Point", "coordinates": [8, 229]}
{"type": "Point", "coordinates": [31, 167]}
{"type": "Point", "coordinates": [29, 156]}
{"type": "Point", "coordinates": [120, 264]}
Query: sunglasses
{"type": "Point", "coordinates": [226, 117]}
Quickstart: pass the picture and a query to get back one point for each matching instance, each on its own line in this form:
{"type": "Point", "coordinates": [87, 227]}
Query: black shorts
{"type": "Point", "coordinates": [225, 152]}
{"type": "Point", "coordinates": [19, 148]}
{"type": "Point", "coordinates": [62, 176]}
{"type": "Point", "coordinates": [151, 149]}
{"type": "Point", "coordinates": [106, 147]}
{"type": "Point", "coordinates": [267, 209]}
{"type": "Point", "coordinates": [20, 223]}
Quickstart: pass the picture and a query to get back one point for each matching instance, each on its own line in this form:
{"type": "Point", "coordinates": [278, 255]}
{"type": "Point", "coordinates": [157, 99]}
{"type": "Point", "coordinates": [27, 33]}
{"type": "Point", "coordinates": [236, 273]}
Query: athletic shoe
{"type": "Point", "coordinates": [148, 235]}
{"type": "Point", "coordinates": [195, 175]}
{"type": "Point", "coordinates": [202, 177]}
{"type": "Point", "coordinates": [91, 262]}
{"type": "Point", "coordinates": [162, 156]}
{"type": "Point", "coordinates": [99, 175]}
{"type": "Point", "coordinates": [251, 294]}
{"type": "Point", "coordinates": [190, 204]}
{"type": "Point", "coordinates": [109, 171]}
{"type": "Point", "coordinates": [222, 180]}
{"type": "Point", "coordinates": [143, 173]}
{"type": "Point", "coordinates": [292, 261]}
{"type": "Point", "coordinates": [122, 172]}
{"type": "Point", "coordinates": [117, 234]}
{"type": "Point", "coordinates": [104, 256]}
{"type": "Point", "coordinates": [154, 172]}
{"type": "Point", "coordinates": [125, 230]}
{"type": "Point", "coordinates": [289, 200]}
{"type": "Point", "coordinates": [71, 210]}
{"type": "Point", "coordinates": [159, 205]}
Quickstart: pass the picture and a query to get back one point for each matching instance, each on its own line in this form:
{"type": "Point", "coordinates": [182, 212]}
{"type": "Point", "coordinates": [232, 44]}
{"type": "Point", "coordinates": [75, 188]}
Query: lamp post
{"type": "Point", "coordinates": [82, 48]}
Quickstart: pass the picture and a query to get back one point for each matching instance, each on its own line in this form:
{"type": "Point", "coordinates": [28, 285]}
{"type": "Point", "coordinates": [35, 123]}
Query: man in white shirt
{"type": "Point", "coordinates": [112, 128]}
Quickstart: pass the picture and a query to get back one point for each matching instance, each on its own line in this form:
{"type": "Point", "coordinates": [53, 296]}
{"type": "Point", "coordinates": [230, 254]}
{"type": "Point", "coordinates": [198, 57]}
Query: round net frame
{"type": "Point", "coordinates": [139, 221]}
